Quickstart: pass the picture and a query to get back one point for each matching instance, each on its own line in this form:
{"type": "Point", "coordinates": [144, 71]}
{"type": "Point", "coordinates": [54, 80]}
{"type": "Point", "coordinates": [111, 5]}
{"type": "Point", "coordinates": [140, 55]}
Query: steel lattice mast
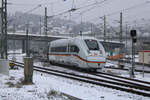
{"type": "Point", "coordinates": [4, 29]}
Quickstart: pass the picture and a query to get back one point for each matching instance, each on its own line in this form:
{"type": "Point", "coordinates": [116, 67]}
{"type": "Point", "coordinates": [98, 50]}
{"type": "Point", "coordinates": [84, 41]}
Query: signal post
{"type": "Point", "coordinates": [132, 68]}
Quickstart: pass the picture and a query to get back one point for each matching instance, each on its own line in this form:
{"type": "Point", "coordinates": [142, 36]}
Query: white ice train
{"type": "Point", "coordinates": [83, 52]}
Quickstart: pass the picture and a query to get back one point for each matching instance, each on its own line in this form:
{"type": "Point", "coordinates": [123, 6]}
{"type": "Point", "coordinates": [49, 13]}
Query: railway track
{"type": "Point", "coordinates": [127, 61]}
{"type": "Point", "coordinates": [139, 88]}
{"type": "Point", "coordinates": [143, 85]}
{"type": "Point", "coordinates": [125, 69]}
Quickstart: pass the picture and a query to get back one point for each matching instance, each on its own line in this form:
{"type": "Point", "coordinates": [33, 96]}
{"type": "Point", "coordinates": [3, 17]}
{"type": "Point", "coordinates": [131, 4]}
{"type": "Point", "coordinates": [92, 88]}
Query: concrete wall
{"type": "Point", "coordinates": [4, 66]}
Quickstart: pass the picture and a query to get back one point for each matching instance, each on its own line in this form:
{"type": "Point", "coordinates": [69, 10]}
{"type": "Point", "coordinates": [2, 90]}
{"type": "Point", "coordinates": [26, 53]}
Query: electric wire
{"type": "Point", "coordinates": [87, 10]}
{"type": "Point", "coordinates": [130, 8]}
{"type": "Point", "coordinates": [31, 4]}
{"type": "Point", "coordinates": [38, 6]}
{"type": "Point", "coordinates": [75, 9]}
{"type": "Point", "coordinates": [122, 10]}
{"type": "Point", "coordinates": [29, 11]}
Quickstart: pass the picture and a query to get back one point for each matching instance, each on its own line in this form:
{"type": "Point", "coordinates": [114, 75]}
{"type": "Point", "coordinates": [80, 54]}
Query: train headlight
{"type": "Point", "coordinates": [90, 54]}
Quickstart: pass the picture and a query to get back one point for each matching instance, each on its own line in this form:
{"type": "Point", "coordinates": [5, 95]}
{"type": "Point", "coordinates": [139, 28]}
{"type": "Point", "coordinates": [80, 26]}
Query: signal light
{"type": "Point", "coordinates": [133, 35]}
{"type": "Point", "coordinates": [134, 40]}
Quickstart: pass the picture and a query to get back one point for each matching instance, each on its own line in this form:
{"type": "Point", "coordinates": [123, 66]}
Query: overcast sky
{"type": "Point", "coordinates": [140, 9]}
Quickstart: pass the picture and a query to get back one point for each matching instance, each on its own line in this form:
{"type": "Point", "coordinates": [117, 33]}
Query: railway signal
{"type": "Point", "coordinates": [133, 36]}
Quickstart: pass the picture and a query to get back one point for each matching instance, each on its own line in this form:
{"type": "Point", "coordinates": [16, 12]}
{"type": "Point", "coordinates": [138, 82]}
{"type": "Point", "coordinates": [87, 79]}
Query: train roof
{"type": "Point", "coordinates": [85, 37]}
{"type": "Point", "coordinates": [60, 41]}
{"type": "Point", "coordinates": [63, 42]}
{"type": "Point", "coordinates": [79, 37]}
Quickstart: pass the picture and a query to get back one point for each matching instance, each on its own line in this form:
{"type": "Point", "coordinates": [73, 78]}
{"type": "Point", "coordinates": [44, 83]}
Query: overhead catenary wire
{"type": "Point", "coordinates": [75, 9]}
{"type": "Point", "coordinates": [95, 3]}
{"type": "Point", "coordinates": [31, 4]}
{"type": "Point", "coordinates": [122, 10]}
{"type": "Point", "coordinates": [70, 10]}
{"type": "Point", "coordinates": [87, 10]}
{"type": "Point", "coordinates": [129, 8]}
{"type": "Point", "coordinates": [85, 7]}
{"type": "Point", "coordinates": [145, 12]}
{"type": "Point", "coordinates": [29, 11]}
{"type": "Point", "coordinates": [33, 8]}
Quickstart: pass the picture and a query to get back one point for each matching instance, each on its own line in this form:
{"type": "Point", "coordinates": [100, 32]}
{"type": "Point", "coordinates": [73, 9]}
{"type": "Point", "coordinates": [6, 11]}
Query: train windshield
{"type": "Point", "coordinates": [92, 44]}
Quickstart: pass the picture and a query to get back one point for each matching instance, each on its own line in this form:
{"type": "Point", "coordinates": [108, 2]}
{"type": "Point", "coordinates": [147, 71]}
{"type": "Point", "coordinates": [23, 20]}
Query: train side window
{"type": "Point", "coordinates": [53, 49]}
{"type": "Point", "coordinates": [74, 48]}
{"type": "Point", "coordinates": [59, 49]}
{"type": "Point", "coordinates": [62, 49]}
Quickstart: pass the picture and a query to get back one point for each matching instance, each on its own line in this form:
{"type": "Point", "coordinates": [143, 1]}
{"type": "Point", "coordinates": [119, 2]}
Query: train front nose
{"type": "Point", "coordinates": [96, 62]}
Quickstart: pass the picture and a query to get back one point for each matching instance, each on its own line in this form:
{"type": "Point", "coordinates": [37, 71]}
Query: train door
{"type": "Point", "coordinates": [67, 58]}
{"type": "Point", "coordinates": [74, 50]}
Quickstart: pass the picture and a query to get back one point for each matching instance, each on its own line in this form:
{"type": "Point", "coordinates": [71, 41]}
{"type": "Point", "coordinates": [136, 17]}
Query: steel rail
{"type": "Point", "coordinates": [121, 77]}
{"type": "Point", "coordinates": [145, 71]}
{"type": "Point", "coordinates": [127, 61]}
{"type": "Point", "coordinates": [89, 80]}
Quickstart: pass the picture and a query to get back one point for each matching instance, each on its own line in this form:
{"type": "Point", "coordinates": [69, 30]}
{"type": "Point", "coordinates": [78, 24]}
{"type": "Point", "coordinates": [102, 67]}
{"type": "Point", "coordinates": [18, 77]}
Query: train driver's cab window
{"type": "Point", "coordinates": [74, 48]}
{"type": "Point", "coordinates": [92, 44]}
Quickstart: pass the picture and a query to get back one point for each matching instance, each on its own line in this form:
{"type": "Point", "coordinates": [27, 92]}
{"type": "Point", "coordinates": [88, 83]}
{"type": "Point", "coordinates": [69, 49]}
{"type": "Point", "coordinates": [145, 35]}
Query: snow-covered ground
{"type": "Point", "coordinates": [138, 75]}
{"type": "Point", "coordinates": [44, 85]}
{"type": "Point", "coordinates": [136, 57]}
{"type": "Point", "coordinates": [49, 87]}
